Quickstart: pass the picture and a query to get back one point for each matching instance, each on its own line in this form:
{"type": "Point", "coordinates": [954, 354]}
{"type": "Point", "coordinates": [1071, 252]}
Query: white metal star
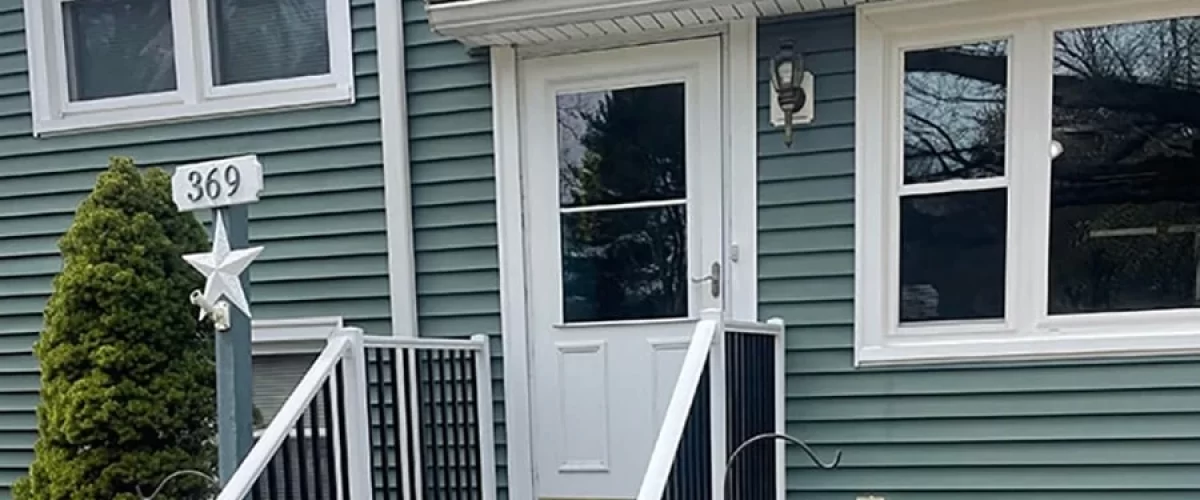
{"type": "Point", "coordinates": [223, 268]}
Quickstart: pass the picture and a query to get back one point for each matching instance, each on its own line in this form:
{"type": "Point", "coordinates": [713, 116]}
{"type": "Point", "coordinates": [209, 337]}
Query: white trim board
{"type": "Point", "coordinates": [513, 319]}
{"type": "Point", "coordinates": [740, 75]}
{"type": "Point", "coordinates": [397, 182]}
{"type": "Point", "coordinates": [538, 22]}
{"type": "Point", "coordinates": [293, 335]}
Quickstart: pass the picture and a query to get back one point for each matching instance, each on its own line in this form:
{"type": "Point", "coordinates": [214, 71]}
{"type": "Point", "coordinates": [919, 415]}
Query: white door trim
{"type": "Point", "coordinates": [511, 249]}
{"type": "Point", "coordinates": [741, 118]}
{"type": "Point", "coordinates": [740, 66]}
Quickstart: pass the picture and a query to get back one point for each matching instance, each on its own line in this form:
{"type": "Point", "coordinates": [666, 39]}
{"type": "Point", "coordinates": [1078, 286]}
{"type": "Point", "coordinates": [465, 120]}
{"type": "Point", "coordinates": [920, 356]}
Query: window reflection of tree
{"type": "Point", "coordinates": [1126, 191]}
{"type": "Point", "coordinates": [631, 262]}
{"type": "Point", "coordinates": [1127, 109]}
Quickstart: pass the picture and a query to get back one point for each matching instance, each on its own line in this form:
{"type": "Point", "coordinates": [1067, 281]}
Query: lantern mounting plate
{"type": "Point", "coordinates": [804, 110]}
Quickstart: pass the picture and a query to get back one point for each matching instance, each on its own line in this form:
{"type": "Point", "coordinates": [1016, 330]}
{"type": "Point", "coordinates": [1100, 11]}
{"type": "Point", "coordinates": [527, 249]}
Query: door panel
{"type": "Point", "coordinates": [623, 214]}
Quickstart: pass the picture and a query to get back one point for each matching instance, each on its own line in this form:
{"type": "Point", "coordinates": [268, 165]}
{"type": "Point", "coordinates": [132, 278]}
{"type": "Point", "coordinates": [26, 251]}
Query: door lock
{"type": "Point", "coordinates": [713, 279]}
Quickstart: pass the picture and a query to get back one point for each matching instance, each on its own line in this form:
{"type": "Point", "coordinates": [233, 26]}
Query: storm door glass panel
{"type": "Point", "coordinates": [1125, 185]}
{"type": "Point", "coordinates": [118, 48]}
{"type": "Point", "coordinates": [258, 40]}
{"type": "Point", "coordinates": [623, 203]}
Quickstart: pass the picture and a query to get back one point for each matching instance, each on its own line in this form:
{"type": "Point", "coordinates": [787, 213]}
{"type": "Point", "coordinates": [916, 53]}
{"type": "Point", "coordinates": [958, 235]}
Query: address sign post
{"type": "Point", "coordinates": [226, 186]}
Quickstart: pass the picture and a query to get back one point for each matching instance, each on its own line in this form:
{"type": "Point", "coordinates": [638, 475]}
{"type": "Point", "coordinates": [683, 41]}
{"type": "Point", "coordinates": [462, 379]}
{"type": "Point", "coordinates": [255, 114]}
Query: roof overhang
{"type": "Point", "coordinates": [534, 22]}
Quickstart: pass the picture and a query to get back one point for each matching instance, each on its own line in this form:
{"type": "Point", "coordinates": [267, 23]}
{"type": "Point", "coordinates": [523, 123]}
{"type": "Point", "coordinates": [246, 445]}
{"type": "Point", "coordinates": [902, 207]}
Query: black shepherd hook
{"type": "Point", "coordinates": [812, 455]}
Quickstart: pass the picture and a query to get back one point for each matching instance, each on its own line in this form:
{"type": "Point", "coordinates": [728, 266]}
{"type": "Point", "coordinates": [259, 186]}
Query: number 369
{"type": "Point", "coordinates": [219, 181]}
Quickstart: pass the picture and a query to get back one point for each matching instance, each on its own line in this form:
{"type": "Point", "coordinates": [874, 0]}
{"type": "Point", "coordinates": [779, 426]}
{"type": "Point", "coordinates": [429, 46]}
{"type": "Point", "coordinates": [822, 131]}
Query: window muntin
{"type": "Point", "coordinates": [1143, 317]}
{"type": "Point", "coordinates": [623, 203]}
{"type": "Point", "coordinates": [90, 70]}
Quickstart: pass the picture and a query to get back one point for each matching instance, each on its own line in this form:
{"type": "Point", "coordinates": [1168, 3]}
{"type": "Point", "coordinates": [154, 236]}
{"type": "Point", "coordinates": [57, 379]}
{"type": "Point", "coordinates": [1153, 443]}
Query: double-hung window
{"type": "Point", "coordinates": [97, 64]}
{"type": "Point", "coordinates": [1028, 179]}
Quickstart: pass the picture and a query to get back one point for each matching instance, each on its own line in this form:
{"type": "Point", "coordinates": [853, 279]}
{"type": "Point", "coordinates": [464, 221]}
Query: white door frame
{"type": "Point", "coordinates": [740, 88]}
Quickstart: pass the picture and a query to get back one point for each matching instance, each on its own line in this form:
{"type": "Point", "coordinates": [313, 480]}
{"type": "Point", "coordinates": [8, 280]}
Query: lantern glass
{"type": "Point", "coordinates": [784, 73]}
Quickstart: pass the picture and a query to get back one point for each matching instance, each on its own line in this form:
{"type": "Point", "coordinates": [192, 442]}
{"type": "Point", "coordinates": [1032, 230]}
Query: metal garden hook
{"type": "Point", "coordinates": [162, 484]}
{"type": "Point", "coordinates": [812, 455]}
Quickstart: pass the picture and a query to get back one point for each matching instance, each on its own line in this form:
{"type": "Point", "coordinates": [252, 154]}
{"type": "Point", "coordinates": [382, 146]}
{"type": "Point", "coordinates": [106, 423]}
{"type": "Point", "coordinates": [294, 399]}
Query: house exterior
{"type": "Point", "coordinates": [979, 227]}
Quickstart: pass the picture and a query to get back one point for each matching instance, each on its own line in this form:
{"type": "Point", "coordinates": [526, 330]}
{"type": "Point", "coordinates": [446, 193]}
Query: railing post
{"type": "Point", "coordinates": [717, 402]}
{"type": "Point", "coordinates": [486, 423]}
{"type": "Point", "coordinates": [358, 422]}
{"type": "Point", "coordinates": [780, 407]}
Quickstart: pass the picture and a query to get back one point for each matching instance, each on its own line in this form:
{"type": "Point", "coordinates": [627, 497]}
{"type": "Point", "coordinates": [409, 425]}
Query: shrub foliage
{"type": "Point", "coordinates": [128, 383]}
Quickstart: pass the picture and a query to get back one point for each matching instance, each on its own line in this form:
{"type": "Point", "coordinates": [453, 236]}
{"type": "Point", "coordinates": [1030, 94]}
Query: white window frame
{"type": "Point", "coordinates": [195, 95]}
{"type": "Point", "coordinates": [1027, 331]}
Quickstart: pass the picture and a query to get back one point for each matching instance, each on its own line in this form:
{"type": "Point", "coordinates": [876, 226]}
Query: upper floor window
{"type": "Point", "coordinates": [1029, 180]}
{"type": "Point", "coordinates": [98, 64]}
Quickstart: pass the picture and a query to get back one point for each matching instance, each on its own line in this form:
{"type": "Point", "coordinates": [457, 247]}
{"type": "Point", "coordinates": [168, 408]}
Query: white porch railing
{"type": "Point", "coordinates": [729, 391]}
{"type": "Point", "coordinates": [380, 417]}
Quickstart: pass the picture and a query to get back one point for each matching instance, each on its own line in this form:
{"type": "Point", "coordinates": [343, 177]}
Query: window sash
{"type": "Point", "coordinates": [884, 35]}
{"type": "Point", "coordinates": [195, 96]}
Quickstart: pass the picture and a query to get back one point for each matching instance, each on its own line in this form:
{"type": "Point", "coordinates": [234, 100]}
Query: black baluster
{"type": "Point", "coordinates": [327, 423]}
{"type": "Point", "coordinates": [314, 444]}
{"type": "Point", "coordinates": [289, 483]}
{"type": "Point", "coordinates": [272, 478]}
{"type": "Point", "coordinates": [301, 436]}
{"type": "Point", "coordinates": [425, 407]}
{"type": "Point", "coordinates": [396, 427]}
{"type": "Point", "coordinates": [475, 447]}
{"type": "Point", "coordinates": [446, 436]}
{"type": "Point", "coordinates": [381, 410]}
{"type": "Point", "coordinates": [460, 423]}
{"type": "Point", "coordinates": [340, 380]}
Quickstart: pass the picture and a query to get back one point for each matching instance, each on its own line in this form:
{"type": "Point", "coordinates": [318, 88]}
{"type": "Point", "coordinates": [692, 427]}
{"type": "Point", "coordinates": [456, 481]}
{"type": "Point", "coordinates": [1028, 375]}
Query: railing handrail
{"type": "Point", "coordinates": [473, 344]}
{"type": "Point", "coordinates": [662, 457]}
{"type": "Point", "coordinates": [773, 327]}
{"type": "Point", "coordinates": [277, 432]}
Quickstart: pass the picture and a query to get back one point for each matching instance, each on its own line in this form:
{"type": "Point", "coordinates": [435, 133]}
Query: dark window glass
{"type": "Point", "coordinates": [952, 253]}
{"type": "Point", "coordinates": [954, 112]}
{"type": "Point", "coordinates": [257, 40]}
{"type": "Point", "coordinates": [118, 48]}
{"type": "Point", "coordinates": [618, 149]}
{"type": "Point", "coordinates": [1125, 192]}
{"type": "Point", "coordinates": [621, 146]}
{"type": "Point", "coordinates": [625, 264]}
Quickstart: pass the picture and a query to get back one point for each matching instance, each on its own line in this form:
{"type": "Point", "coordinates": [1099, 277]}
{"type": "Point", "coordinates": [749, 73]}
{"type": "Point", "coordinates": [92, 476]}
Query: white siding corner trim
{"type": "Point", "coordinates": [397, 188]}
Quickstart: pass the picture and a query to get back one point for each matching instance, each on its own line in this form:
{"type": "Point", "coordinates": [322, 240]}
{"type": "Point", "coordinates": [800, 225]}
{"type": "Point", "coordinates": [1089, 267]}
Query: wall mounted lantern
{"type": "Point", "coordinates": [791, 89]}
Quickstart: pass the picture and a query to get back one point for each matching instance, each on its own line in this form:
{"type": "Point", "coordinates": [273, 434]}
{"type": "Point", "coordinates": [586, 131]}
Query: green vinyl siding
{"type": "Point", "coordinates": [1094, 430]}
{"type": "Point", "coordinates": [453, 191]}
{"type": "Point", "coordinates": [321, 217]}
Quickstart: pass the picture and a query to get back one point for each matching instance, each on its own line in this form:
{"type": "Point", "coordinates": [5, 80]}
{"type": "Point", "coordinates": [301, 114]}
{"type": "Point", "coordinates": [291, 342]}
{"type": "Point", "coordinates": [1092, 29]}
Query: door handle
{"type": "Point", "coordinates": [713, 279]}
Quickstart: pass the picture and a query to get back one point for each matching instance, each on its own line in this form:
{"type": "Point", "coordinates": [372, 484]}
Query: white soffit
{"type": "Point", "coordinates": [539, 22]}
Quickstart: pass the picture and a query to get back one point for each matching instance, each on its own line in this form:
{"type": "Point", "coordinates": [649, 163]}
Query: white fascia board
{"type": "Point", "coordinates": [480, 17]}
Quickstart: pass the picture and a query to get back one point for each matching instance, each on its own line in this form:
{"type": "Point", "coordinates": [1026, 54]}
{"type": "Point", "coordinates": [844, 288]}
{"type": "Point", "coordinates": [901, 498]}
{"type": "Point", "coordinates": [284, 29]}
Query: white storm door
{"type": "Point", "coordinates": [623, 224]}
